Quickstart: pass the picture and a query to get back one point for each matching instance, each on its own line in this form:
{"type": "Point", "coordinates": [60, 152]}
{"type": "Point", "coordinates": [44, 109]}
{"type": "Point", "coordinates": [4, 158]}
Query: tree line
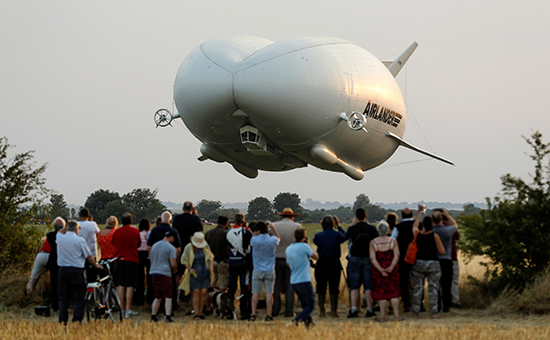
{"type": "Point", "coordinates": [513, 233]}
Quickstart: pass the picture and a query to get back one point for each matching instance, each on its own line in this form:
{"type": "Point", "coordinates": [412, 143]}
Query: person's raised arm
{"type": "Point", "coordinates": [449, 218]}
{"type": "Point", "coordinates": [275, 232]}
{"type": "Point", "coordinates": [417, 221]}
{"type": "Point", "coordinates": [315, 256]}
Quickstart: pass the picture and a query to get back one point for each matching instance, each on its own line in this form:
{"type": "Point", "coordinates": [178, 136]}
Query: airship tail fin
{"type": "Point", "coordinates": [412, 147]}
{"type": "Point", "coordinates": [395, 66]}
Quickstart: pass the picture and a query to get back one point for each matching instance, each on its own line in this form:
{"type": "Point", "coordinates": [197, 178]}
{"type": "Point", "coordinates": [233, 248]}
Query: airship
{"type": "Point", "coordinates": [277, 106]}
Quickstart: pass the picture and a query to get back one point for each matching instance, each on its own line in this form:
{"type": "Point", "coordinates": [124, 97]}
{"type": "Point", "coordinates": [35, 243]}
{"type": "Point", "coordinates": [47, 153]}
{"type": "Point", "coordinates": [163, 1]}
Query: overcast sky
{"type": "Point", "coordinates": [81, 80]}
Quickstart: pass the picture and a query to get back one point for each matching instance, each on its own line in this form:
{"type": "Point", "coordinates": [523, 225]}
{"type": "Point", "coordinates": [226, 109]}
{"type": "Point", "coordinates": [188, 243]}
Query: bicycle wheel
{"type": "Point", "coordinates": [113, 304]}
{"type": "Point", "coordinates": [92, 306]}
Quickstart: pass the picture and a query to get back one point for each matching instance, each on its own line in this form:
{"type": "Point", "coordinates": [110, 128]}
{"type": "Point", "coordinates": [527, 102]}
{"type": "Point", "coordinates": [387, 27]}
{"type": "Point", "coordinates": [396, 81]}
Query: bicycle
{"type": "Point", "coordinates": [102, 300]}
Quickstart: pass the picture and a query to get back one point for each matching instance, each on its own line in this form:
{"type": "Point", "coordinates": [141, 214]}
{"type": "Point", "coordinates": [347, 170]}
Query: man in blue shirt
{"type": "Point", "coordinates": [263, 256]}
{"type": "Point", "coordinates": [297, 257]}
{"type": "Point", "coordinates": [328, 267]}
{"type": "Point", "coordinates": [72, 254]}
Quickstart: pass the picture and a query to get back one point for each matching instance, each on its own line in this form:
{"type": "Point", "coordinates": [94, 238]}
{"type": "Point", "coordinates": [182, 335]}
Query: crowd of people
{"type": "Point", "coordinates": [176, 259]}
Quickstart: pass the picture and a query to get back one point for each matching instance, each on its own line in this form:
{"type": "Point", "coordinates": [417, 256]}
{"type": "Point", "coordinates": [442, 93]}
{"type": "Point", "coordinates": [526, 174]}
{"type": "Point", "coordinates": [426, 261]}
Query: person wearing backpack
{"type": "Point", "coordinates": [359, 264]}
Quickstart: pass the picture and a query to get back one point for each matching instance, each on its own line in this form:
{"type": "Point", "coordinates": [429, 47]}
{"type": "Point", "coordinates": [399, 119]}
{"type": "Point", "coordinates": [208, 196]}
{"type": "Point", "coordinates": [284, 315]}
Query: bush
{"type": "Point", "coordinates": [513, 232]}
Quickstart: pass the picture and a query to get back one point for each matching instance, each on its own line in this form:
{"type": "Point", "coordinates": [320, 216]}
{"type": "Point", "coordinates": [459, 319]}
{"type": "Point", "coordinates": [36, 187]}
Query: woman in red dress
{"type": "Point", "coordinates": [384, 254]}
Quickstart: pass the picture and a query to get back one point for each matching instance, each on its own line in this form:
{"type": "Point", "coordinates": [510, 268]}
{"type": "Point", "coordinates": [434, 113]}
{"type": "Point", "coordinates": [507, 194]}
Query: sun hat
{"type": "Point", "coordinates": [198, 240]}
{"type": "Point", "coordinates": [288, 212]}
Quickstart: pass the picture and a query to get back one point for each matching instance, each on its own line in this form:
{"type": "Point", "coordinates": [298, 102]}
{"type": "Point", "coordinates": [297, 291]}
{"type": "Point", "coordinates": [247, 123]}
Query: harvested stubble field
{"type": "Point", "coordinates": [481, 319]}
{"type": "Point", "coordinates": [240, 330]}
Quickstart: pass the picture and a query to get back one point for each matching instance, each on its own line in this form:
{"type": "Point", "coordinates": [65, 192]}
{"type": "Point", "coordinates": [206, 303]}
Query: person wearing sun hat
{"type": "Point", "coordinates": [286, 228]}
{"type": "Point", "coordinates": [197, 259]}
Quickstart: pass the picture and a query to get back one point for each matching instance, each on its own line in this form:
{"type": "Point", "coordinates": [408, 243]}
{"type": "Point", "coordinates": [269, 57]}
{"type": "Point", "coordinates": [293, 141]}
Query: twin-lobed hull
{"type": "Point", "coordinates": [277, 106]}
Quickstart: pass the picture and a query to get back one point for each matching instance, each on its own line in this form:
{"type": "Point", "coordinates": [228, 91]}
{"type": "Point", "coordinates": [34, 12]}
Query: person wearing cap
{"type": "Point", "coordinates": [163, 264]}
{"type": "Point", "coordinates": [197, 259]}
{"type": "Point", "coordinates": [286, 228]}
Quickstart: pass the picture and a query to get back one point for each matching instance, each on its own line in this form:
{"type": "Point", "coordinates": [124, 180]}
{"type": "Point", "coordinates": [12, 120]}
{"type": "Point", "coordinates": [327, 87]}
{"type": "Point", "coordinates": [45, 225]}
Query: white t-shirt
{"type": "Point", "coordinates": [88, 232]}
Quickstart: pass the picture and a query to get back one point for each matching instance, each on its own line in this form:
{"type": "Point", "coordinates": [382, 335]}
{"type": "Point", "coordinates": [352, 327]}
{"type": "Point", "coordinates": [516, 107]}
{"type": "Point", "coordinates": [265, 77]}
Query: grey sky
{"type": "Point", "coordinates": [80, 81]}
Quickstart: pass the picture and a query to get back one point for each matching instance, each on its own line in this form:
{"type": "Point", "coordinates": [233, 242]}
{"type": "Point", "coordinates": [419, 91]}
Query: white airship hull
{"type": "Point", "coordinates": [261, 105]}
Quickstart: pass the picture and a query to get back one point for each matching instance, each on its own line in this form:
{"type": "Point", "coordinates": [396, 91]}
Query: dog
{"type": "Point", "coordinates": [222, 304]}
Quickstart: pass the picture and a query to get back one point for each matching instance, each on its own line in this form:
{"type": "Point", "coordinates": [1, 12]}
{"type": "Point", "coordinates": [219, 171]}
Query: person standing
{"type": "Point", "coordinates": [328, 268]}
{"type": "Point", "coordinates": [238, 240]}
{"type": "Point", "coordinates": [58, 224]}
{"type": "Point", "coordinates": [263, 256]}
{"type": "Point", "coordinates": [286, 228]}
{"type": "Point", "coordinates": [359, 263]}
{"type": "Point", "coordinates": [297, 257]}
{"type": "Point", "coordinates": [157, 234]}
{"type": "Point", "coordinates": [217, 241]}
{"type": "Point", "coordinates": [445, 233]}
{"type": "Point", "coordinates": [89, 231]}
{"type": "Point", "coordinates": [404, 236]}
{"type": "Point", "coordinates": [187, 224]}
{"type": "Point", "coordinates": [384, 254]}
{"type": "Point", "coordinates": [72, 253]}
{"type": "Point", "coordinates": [163, 264]}
{"type": "Point", "coordinates": [427, 265]}
{"type": "Point", "coordinates": [126, 241]}
{"type": "Point", "coordinates": [105, 238]}
{"type": "Point", "coordinates": [143, 255]}
{"type": "Point", "coordinates": [197, 259]}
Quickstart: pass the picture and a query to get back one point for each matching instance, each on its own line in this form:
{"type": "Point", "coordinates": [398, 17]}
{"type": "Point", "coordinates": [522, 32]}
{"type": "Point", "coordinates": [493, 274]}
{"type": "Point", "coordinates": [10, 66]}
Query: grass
{"type": "Point", "coordinates": [259, 331]}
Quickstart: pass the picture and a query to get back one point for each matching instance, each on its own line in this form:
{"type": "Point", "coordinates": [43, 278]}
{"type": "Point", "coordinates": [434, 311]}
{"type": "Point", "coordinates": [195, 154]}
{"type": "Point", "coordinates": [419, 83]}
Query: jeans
{"type": "Point", "coordinates": [282, 275]}
{"type": "Point", "coordinates": [307, 300]}
{"type": "Point", "coordinates": [360, 272]}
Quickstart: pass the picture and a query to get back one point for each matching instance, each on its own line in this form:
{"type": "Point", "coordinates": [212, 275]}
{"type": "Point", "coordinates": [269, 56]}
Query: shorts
{"type": "Point", "coordinates": [359, 272]}
{"type": "Point", "coordinates": [126, 274]}
{"type": "Point", "coordinates": [162, 285]}
{"type": "Point", "coordinates": [40, 265]}
{"type": "Point", "coordinates": [266, 279]}
{"type": "Point", "coordinates": [220, 279]}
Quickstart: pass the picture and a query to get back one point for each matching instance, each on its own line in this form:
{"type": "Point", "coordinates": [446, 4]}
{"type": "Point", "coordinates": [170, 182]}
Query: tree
{"type": "Point", "coordinates": [205, 207]}
{"type": "Point", "coordinates": [230, 212]}
{"type": "Point", "coordinates": [287, 200]}
{"type": "Point", "coordinates": [374, 212]}
{"type": "Point", "coordinates": [22, 192]}
{"type": "Point", "coordinates": [143, 203]}
{"type": "Point", "coordinates": [260, 209]}
{"type": "Point", "coordinates": [58, 206]}
{"type": "Point", "coordinates": [98, 200]}
{"type": "Point", "coordinates": [513, 232]}
{"type": "Point", "coordinates": [361, 201]}
{"type": "Point", "coordinates": [115, 208]}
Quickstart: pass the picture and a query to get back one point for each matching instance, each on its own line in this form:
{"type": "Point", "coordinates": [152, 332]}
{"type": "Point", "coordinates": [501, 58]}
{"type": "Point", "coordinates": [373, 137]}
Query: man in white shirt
{"type": "Point", "coordinates": [72, 253]}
